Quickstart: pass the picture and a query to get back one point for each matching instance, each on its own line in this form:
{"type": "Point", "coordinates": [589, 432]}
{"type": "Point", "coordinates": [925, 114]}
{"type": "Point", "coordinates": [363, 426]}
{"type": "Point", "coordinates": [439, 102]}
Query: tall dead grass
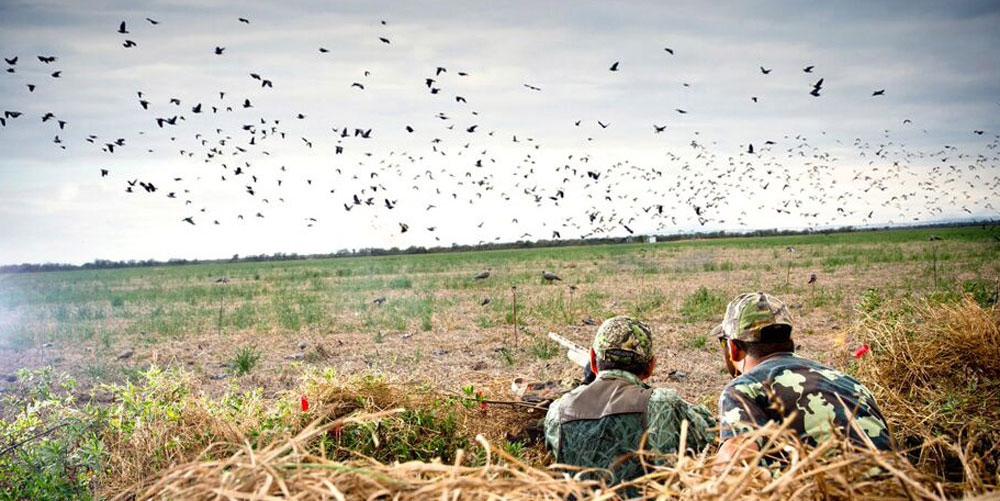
{"type": "Point", "coordinates": [935, 370]}
{"type": "Point", "coordinates": [833, 470]}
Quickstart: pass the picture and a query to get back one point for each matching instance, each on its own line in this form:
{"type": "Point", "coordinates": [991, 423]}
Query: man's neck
{"type": "Point", "coordinates": [754, 361]}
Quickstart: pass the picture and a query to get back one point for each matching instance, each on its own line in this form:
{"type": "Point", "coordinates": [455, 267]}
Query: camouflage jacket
{"type": "Point", "coordinates": [629, 408]}
{"type": "Point", "coordinates": [822, 398]}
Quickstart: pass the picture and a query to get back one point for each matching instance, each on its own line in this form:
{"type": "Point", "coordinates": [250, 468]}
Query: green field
{"type": "Point", "coordinates": [432, 325]}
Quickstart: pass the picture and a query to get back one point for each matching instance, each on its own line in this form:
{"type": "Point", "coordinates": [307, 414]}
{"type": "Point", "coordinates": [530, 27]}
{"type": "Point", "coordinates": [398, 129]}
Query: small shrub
{"type": "Point", "coordinates": [507, 356]}
{"type": "Point", "coordinates": [245, 360]}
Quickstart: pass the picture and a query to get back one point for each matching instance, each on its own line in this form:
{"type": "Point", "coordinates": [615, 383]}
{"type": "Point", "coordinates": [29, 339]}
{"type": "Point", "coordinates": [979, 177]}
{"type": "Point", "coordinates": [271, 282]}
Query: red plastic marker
{"type": "Point", "coordinates": [305, 404]}
{"type": "Point", "coordinates": [861, 351]}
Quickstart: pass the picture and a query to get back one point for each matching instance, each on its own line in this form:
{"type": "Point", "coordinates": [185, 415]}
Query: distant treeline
{"type": "Point", "coordinates": [103, 264]}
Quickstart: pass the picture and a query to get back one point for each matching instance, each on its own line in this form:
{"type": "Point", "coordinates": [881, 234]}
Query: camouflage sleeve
{"type": "Point", "coordinates": [740, 410]}
{"type": "Point", "coordinates": [552, 427]}
{"type": "Point", "coordinates": [666, 412]}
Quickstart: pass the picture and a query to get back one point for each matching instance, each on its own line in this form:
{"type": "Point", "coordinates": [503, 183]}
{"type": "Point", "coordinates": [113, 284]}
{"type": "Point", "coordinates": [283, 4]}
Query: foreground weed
{"type": "Point", "coordinates": [245, 360]}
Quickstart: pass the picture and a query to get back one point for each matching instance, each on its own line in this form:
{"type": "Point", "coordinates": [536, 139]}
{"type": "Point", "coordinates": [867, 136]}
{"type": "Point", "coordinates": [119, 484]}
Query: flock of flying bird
{"type": "Point", "coordinates": [788, 176]}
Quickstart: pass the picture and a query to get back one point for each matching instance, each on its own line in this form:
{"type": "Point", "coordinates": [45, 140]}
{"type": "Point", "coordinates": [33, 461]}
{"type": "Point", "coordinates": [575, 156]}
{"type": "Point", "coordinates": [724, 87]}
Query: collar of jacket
{"type": "Point", "coordinates": [620, 374]}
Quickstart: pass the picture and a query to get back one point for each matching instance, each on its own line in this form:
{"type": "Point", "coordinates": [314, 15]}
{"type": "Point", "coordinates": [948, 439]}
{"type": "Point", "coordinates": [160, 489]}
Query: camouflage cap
{"type": "Point", "coordinates": [624, 340]}
{"type": "Point", "coordinates": [749, 313]}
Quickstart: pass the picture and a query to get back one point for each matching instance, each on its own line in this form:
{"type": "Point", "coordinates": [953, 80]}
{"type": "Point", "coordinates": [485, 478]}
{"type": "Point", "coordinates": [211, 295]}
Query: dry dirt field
{"type": "Point", "coordinates": [274, 321]}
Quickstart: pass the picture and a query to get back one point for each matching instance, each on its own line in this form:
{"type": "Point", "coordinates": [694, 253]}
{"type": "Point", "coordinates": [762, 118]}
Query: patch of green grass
{"type": "Point", "coordinates": [543, 348]}
{"type": "Point", "coordinates": [400, 283]}
{"type": "Point", "coordinates": [697, 341]}
{"type": "Point", "coordinates": [245, 360]}
{"type": "Point", "coordinates": [703, 304]}
{"type": "Point", "coordinates": [648, 301]}
{"type": "Point", "coordinates": [982, 291]}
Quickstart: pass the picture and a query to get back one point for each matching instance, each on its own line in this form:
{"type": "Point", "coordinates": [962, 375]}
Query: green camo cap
{"type": "Point", "coordinates": [624, 340]}
{"type": "Point", "coordinates": [749, 313]}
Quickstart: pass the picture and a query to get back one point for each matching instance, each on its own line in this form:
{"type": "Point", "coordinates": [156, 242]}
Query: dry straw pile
{"type": "Point", "coordinates": [934, 368]}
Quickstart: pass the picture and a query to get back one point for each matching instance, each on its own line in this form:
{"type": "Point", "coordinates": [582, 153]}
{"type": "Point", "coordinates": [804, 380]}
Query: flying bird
{"type": "Point", "coordinates": [121, 28]}
{"type": "Point", "coordinates": [765, 71]}
{"type": "Point", "coordinates": [614, 67]}
{"type": "Point", "coordinates": [880, 92]}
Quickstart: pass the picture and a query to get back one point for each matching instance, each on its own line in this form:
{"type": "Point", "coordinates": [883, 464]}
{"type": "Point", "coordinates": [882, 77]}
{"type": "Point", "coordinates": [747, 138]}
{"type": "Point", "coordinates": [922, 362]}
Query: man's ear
{"type": "Point", "coordinates": [593, 361]}
{"type": "Point", "coordinates": [735, 352]}
{"type": "Point", "coordinates": [649, 369]}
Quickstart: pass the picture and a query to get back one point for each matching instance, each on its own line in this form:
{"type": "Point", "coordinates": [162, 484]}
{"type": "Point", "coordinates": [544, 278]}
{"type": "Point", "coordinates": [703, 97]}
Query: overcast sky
{"type": "Point", "coordinates": [936, 61]}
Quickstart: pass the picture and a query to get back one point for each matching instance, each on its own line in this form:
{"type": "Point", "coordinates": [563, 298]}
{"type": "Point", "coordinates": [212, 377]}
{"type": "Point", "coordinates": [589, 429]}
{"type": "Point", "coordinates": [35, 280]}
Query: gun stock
{"type": "Point", "coordinates": [577, 354]}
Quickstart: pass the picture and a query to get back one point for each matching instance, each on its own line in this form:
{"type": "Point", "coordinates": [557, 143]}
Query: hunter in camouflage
{"type": "Point", "coordinates": [772, 383]}
{"type": "Point", "coordinates": [597, 424]}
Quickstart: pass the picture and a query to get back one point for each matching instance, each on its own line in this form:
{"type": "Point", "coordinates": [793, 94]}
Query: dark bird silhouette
{"type": "Point", "coordinates": [47, 59]}
{"type": "Point", "coordinates": [189, 219]}
{"type": "Point", "coordinates": [121, 28]}
{"type": "Point", "coordinates": [384, 40]}
{"type": "Point", "coordinates": [812, 279]}
{"type": "Point", "coordinates": [12, 61]}
{"type": "Point", "coordinates": [816, 88]}
{"type": "Point", "coordinates": [485, 301]}
{"type": "Point", "coordinates": [128, 44]}
{"type": "Point", "coordinates": [603, 125]}
{"type": "Point", "coordinates": [152, 21]}
{"type": "Point", "coordinates": [880, 92]}
{"type": "Point", "coordinates": [764, 70]}
{"type": "Point", "coordinates": [808, 69]}
{"type": "Point", "coordinates": [244, 20]}
{"type": "Point", "coordinates": [403, 227]}
{"type": "Point", "coordinates": [324, 50]}
{"type": "Point", "coordinates": [532, 87]}
{"type": "Point", "coordinates": [219, 50]}
{"type": "Point", "coordinates": [56, 74]}
{"type": "Point", "coordinates": [668, 49]}
{"type": "Point", "coordinates": [549, 276]}
{"type": "Point", "coordinates": [104, 172]}
{"type": "Point", "coordinates": [614, 67]}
